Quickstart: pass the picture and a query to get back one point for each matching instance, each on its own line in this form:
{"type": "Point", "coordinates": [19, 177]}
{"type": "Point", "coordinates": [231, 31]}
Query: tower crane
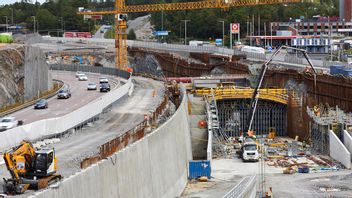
{"type": "Point", "coordinates": [121, 10]}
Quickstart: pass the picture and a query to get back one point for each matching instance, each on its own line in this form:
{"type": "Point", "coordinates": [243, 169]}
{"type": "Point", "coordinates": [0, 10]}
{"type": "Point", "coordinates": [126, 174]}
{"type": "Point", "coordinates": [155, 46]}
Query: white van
{"type": "Point", "coordinates": [249, 152]}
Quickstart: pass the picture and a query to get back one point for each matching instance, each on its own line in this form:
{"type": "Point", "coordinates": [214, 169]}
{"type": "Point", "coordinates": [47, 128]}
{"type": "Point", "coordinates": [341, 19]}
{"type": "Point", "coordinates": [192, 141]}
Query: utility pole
{"type": "Point", "coordinates": [223, 32]}
{"type": "Point", "coordinates": [33, 24]}
{"type": "Point", "coordinates": [185, 30]}
{"type": "Point", "coordinates": [11, 16]}
{"type": "Point", "coordinates": [7, 27]}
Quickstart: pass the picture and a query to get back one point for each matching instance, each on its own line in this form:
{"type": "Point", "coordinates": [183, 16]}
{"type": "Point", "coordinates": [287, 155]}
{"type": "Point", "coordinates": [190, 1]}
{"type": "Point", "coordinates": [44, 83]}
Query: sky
{"type": "Point", "coordinates": [3, 2]}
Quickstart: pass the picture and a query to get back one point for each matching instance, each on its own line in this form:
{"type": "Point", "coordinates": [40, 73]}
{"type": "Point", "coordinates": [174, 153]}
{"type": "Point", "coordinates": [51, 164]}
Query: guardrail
{"type": "Point", "coordinates": [33, 101]}
{"type": "Point", "coordinates": [246, 188]}
{"type": "Point", "coordinates": [53, 127]}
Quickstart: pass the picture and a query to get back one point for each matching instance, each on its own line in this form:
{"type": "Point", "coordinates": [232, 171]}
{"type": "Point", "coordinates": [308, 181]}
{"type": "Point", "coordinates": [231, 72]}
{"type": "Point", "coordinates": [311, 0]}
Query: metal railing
{"type": "Point", "coordinates": [246, 188]}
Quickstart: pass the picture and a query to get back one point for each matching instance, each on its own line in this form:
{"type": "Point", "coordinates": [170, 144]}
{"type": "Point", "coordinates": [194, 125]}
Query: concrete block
{"type": "Point", "coordinates": [338, 151]}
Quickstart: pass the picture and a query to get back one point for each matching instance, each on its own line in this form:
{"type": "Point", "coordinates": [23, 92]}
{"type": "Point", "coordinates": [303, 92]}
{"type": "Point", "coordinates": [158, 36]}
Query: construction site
{"type": "Point", "coordinates": [177, 120]}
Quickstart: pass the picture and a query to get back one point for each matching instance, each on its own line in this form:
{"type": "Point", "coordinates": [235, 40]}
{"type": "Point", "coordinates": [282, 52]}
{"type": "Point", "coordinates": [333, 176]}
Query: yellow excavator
{"type": "Point", "coordinates": [29, 168]}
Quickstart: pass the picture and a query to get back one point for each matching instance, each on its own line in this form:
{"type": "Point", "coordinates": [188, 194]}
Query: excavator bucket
{"type": "Point", "coordinates": [12, 187]}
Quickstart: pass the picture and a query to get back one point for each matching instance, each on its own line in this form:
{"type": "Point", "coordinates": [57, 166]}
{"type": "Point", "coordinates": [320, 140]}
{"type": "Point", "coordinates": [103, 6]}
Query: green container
{"type": "Point", "coordinates": [6, 39]}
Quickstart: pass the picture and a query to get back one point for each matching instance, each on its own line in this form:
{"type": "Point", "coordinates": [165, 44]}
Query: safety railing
{"type": "Point", "coordinates": [246, 188]}
{"type": "Point", "coordinates": [127, 138]}
{"type": "Point", "coordinates": [48, 94]}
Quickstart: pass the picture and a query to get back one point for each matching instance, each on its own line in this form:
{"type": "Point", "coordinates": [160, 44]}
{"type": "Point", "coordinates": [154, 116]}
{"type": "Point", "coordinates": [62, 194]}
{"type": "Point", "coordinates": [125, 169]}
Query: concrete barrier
{"type": "Point", "coordinates": [347, 141]}
{"type": "Point", "coordinates": [155, 166]}
{"type": "Point", "coordinates": [53, 126]}
{"type": "Point", "coordinates": [338, 151]}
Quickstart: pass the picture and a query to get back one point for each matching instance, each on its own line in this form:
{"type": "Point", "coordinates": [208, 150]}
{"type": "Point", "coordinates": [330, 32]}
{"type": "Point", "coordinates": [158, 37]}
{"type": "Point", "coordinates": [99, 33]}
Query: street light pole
{"type": "Point", "coordinates": [223, 32]}
{"type": "Point", "coordinates": [33, 24]}
{"type": "Point", "coordinates": [185, 30]}
{"type": "Point", "coordinates": [11, 16]}
{"type": "Point", "coordinates": [7, 28]}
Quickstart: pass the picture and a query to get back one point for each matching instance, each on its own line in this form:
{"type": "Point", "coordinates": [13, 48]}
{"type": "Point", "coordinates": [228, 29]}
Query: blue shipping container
{"type": "Point", "coordinates": [337, 69]}
{"type": "Point", "coordinates": [199, 168]}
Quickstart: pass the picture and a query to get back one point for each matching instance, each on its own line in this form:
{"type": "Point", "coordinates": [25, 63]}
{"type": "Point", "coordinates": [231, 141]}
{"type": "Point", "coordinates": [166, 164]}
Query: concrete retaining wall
{"type": "Point", "coordinates": [338, 151]}
{"type": "Point", "coordinates": [347, 140]}
{"type": "Point", "coordinates": [36, 72]}
{"type": "Point", "coordinates": [155, 166]}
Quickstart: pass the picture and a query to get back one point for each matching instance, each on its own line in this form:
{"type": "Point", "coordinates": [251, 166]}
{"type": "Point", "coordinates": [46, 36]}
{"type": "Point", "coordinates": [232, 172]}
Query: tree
{"type": "Point", "coordinates": [131, 35]}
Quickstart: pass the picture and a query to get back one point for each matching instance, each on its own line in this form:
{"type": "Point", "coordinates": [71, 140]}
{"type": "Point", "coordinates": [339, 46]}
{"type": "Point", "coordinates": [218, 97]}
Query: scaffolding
{"type": "Point", "coordinates": [233, 114]}
{"type": "Point", "coordinates": [324, 119]}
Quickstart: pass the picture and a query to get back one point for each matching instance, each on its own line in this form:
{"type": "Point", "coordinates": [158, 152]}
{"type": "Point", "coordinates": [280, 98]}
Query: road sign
{"type": "Point", "coordinates": [234, 28]}
{"type": "Point", "coordinates": [161, 33]}
{"type": "Point", "coordinates": [218, 42]}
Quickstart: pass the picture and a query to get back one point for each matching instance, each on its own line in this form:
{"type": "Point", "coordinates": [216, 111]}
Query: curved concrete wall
{"type": "Point", "coordinates": [155, 166]}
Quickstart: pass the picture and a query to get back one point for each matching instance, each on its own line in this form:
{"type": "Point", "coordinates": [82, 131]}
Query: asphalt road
{"type": "Point", "coordinates": [58, 107]}
{"type": "Point", "coordinates": [124, 115]}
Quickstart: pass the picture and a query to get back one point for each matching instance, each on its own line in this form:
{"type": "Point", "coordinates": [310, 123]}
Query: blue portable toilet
{"type": "Point", "coordinates": [199, 168]}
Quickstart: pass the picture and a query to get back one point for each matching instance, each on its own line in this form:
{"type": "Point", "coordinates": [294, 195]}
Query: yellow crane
{"type": "Point", "coordinates": [121, 10]}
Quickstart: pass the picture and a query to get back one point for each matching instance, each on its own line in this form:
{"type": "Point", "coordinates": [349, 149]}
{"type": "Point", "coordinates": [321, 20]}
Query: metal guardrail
{"type": "Point", "coordinates": [246, 188]}
{"type": "Point", "coordinates": [33, 101]}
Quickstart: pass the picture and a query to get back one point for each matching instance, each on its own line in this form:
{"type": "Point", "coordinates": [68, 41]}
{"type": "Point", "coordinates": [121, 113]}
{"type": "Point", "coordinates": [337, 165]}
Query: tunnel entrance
{"type": "Point", "coordinates": [233, 116]}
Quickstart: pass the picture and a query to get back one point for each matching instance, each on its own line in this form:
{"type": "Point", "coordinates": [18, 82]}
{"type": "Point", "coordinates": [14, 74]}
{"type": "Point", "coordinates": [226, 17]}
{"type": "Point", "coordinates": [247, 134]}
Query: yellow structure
{"type": "Point", "coordinates": [122, 8]}
{"type": "Point", "coordinates": [276, 95]}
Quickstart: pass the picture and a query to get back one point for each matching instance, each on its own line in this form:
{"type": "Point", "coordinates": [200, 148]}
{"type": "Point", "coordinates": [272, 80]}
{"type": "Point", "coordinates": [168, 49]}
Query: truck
{"type": "Point", "coordinates": [249, 151]}
{"type": "Point", "coordinates": [29, 168]}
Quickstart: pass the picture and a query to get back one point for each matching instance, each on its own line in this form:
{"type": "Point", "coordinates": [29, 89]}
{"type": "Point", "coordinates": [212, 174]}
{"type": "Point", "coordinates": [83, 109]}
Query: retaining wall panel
{"type": "Point", "coordinates": [338, 151]}
{"type": "Point", "coordinates": [347, 140]}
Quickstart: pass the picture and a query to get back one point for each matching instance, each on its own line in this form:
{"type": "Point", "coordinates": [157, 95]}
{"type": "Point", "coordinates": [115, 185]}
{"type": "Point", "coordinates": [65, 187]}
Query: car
{"type": "Point", "coordinates": [82, 77]}
{"type": "Point", "coordinates": [41, 104]}
{"type": "Point", "coordinates": [78, 73]}
{"type": "Point", "coordinates": [104, 87]}
{"type": "Point", "coordinates": [64, 94]}
{"type": "Point", "coordinates": [92, 86]}
{"type": "Point", "coordinates": [8, 123]}
{"type": "Point", "coordinates": [103, 80]}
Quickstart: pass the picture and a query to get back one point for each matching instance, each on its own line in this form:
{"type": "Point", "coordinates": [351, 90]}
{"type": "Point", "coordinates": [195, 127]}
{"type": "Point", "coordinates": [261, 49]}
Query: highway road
{"type": "Point", "coordinates": [59, 107]}
{"type": "Point", "coordinates": [124, 115]}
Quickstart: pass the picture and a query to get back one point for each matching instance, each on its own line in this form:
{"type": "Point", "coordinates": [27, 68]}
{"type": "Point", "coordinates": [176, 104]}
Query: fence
{"type": "Point", "coordinates": [126, 138]}
{"type": "Point", "coordinates": [246, 188]}
{"type": "Point", "coordinates": [55, 126]}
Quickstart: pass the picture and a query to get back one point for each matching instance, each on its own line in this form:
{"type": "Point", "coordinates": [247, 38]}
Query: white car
{"type": "Point", "coordinates": [82, 77]}
{"type": "Point", "coordinates": [92, 86]}
{"type": "Point", "coordinates": [78, 73]}
{"type": "Point", "coordinates": [8, 123]}
{"type": "Point", "coordinates": [103, 80]}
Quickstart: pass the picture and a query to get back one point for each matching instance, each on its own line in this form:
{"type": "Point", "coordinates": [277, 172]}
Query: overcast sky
{"type": "Point", "coordinates": [3, 2]}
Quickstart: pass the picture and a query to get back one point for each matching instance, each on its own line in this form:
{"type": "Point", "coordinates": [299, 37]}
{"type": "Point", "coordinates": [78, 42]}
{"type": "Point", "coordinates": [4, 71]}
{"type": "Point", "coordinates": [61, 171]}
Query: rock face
{"type": "Point", "coordinates": [11, 74]}
{"type": "Point", "coordinates": [23, 73]}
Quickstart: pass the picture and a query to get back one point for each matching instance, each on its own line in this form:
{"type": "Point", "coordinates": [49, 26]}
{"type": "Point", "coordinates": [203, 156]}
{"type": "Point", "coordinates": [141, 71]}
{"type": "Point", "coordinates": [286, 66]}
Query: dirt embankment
{"type": "Point", "coordinates": [11, 74]}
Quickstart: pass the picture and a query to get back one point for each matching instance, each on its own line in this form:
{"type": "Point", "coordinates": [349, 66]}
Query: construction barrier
{"type": "Point", "coordinates": [155, 166]}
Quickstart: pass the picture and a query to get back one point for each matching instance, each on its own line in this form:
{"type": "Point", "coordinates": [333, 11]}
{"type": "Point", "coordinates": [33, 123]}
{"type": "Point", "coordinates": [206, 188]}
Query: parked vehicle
{"type": "Point", "coordinates": [92, 86]}
{"type": "Point", "coordinates": [103, 80]}
{"type": "Point", "coordinates": [64, 94]}
{"type": "Point", "coordinates": [104, 87]}
{"type": "Point", "coordinates": [82, 77]}
{"type": "Point", "coordinates": [9, 123]}
{"type": "Point", "coordinates": [41, 104]}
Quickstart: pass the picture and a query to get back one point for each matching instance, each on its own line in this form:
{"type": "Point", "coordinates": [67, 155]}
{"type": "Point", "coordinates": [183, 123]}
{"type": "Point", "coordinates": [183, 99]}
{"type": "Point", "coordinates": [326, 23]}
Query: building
{"type": "Point", "coordinates": [345, 10]}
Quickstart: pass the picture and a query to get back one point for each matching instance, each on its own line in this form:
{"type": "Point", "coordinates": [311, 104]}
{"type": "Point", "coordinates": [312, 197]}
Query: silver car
{"type": "Point", "coordinates": [91, 86]}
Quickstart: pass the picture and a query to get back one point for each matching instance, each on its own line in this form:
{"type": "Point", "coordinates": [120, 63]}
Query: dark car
{"type": "Point", "coordinates": [41, 104]}
{"type": "Point", "coordinates": [65, 93]}
{"type": "Point", "coordinates": [104, 87]}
